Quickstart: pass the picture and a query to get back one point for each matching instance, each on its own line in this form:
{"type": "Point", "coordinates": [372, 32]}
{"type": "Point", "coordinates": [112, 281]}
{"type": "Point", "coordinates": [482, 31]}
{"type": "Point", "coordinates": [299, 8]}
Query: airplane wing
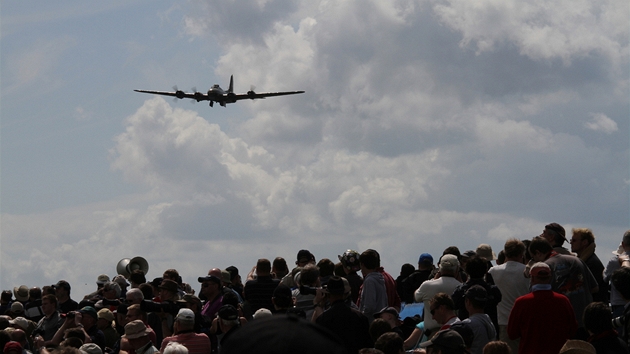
{"type": "Point", "coordinates": [253, 95]}
{"type": "Point", "coordinates": [179, 94]}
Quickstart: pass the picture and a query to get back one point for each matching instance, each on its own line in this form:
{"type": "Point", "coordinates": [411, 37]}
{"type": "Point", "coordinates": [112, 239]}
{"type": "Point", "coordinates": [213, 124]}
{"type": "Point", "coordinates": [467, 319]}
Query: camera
{"type": "Point", "coordinates": [167, 306]}
{"type": "Point", "coordinates": [618, 322]}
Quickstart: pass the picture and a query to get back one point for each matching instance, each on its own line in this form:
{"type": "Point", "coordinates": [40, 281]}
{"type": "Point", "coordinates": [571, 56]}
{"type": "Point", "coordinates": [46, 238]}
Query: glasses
{"type": "Point", "coordinates": [205, 285]}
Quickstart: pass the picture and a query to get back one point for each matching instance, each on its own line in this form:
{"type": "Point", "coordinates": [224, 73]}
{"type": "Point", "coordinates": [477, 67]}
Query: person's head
{"type": "Point", "coordinates": [621, 280]}
{"type": "Point", "coordinates": [137, 334]}
{"type": "Point", "coordinates": [74, 333]}
{"type": "Point", "coordinates": [6, 297]}
{"type": "Point", "coordinates": [581, 239]}
{"type": "Point", "coordinates": [406, 270]}
{"type": "Point", "coordinates": [454, 250]}
{"type": "Point", "coordinates": [185, 320]}
{"type": "Point", "coordinates": [425, 261]}
{"type": "Point", "coordinates": [326, 267]}
{"type": "Point", "coordinates": [49, 304]}
{"type": "Point", "coordinates": [475, 298]}
{"type": "Point", "coordinates": [554, 234]}
{"type": "Point", "coordinates": [540, 249]}
{"type": "Point", "coordinates": [497, 347]}
{"type": "Point", "coordinates": [171, 274]}
{"type": "Point", "coordinates": [134, 296]}
{"type": "Point", "coordinates": [514, 250]}
{"type": "Point", "coordinates": [105, 319]}
{"type": "Point", "coordinates": [263, 267]}
{"type": "Point", "coordinates": [191, 302]}
{"type": "Point", "coordinates": [389, 343]}
{"type": "Point", "coordinates": [350, 261]}
{"type": "Point", "coordinates": [597, 317]}
{"type": "Point", "coordinates": [175, 348]}
{"type": "Point", "coordinates": [34, 293]}
{"type": "Point", "coordinates": [378, 327]}
{"type": "Point", "coordinates": [446, 341]}
{"type": "Point", "coordinates": [304, 257]}
{"type": "Point", "coordinates": [625, 241]}
{"type": "Point", "coordinates": [89, 316]}
{"type": "Point", "coordinates": [540, 273]}
{"type": "Point", "coordinates": [168, 290]}
{"type": "Point", "coordinates": [370, 261]}
{"type": "Point", "coordinates": [148, 290]}
{"type": "Point", "coordinates": [476, 267]}
{"type": "Point", "coordinates": [279, 267]}
{"type": "Point", "coordinates": [484, 251]}
{"type": "Point", "coordinates": [576, 346]}
{"type": "Point", "coordinates": [228, 317]}
{"type": "Point", "coordinates": [12, 347]}
{"type": "Point", "coordinates": [210, 286]}
{"type": "Point", "coordinates": [390, 315]}
{"type": "Point", "coordinates": [282, 297]}
{"type": "Point", "coordinates": [72, 342]}
{"type": "Point", "coordinates": [111, 290]}
{"type": "Point", "coordinates": [309, 276]}
{"type": "Point", "coordinates": [137, 277]}
{"type": "Point", "coordinates": [441, 307]}
{"type": "Point", "coordinates": [501, 257]}
{"type": "Point", "coordinates": [62, 289]}
{"type": "Point", "coordinates": [90, 348]}
{"type": "Point", "coordinates": [134, 312]}
{"type": "Point", "coordinates": [449, 265]}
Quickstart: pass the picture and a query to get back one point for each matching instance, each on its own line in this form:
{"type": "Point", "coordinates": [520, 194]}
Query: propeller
{"type": "Point", "coordinates": [251, 92]}
{"type": "Point", "coordinates": [178, 94]}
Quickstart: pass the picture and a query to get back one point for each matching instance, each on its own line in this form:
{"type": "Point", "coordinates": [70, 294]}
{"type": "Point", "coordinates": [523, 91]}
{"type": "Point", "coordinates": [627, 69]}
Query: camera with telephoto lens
{"type": "Point", "coordinates": [308, 290]}
{"type": "Point", "coordinates": [618, 322]}
{"type": "Point", "coordinates": [166, 306]}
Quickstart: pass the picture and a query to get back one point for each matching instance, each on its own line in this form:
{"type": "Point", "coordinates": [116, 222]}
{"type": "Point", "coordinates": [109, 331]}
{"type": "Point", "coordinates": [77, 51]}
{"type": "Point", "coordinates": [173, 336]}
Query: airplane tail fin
{"type": "Point", "coordinates": [231, 88]}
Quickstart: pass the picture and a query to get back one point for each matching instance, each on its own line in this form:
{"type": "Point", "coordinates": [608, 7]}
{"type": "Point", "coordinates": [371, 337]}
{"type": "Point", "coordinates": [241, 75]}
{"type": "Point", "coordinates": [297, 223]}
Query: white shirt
{"type": "Point", "coordinates": [428, 289]}
{"type": "Point", "coordinates": [509, 278]}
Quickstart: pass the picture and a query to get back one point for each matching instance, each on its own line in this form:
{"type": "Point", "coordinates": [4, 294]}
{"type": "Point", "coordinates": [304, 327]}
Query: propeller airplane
{"type": "Point", "coordinates": [217, 94]}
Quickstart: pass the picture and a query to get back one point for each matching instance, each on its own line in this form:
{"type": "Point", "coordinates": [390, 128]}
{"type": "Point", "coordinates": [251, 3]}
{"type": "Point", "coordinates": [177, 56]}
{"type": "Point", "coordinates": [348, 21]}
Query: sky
{"type": "Point", "coordinates": [425, 124]}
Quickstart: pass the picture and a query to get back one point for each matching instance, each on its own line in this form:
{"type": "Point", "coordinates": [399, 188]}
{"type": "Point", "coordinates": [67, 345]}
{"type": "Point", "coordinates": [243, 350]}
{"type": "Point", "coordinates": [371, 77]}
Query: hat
{"type": "Point", "coordinates": [189, 298]}
{"type": "Point", "coordinates": [226, 276]}
{"type": "Point", "coordinates": [105, 314]}
{"type": "Point", "coordinates": [350, 260]}
{"type": "Point", "coordinates": [135, 329]}
{"type": "Point", "coordinates": [557, 228]}
{"type": "Point", "coordinates": [540, 270]}
{"type": "Point", "coordinates": [468, 254]}
{"type": "Point", "coordinates": [449, 262]}
{"type": "Point", "coordinates": [169, 285]}
{"type": "Point", "coordinates": [211, 278]}
{"type": "Point", "coordinates": [477, 292]}
{"type": "Point", "coordinates": [425, 258]}
{"type": "Point", "coordinates": [305, 256]}
{"type": "Point", "coordinates": [335, 285]}
{"type": "Point", "coordinates": [262, 313]}
{"type": "Point", "coordinates": [120, 280]}
{"type": "Point", "coordinates": [228, 313]}
{"type": "Point", "coordinates": [390, 309]}
{"type": "Point", "coordinates": [91, 348]}
{"type": "Point", "coordinates": [485, 251]}
{"type": "Point", "coordinates": [447, 338]}
{"type": "Point", "coordinates": [62, 284]}
{"type": "Point", "coordinates": [20, 321]}
{"type": "Point", "coordinates": [17, 307]}
{"type": "Point", "coordinates": [21, 293]}
{"type": "Point", "coordinates": [12, 345]}
{"type": "Point", "coordinates": [156, 282]}
{"type": "Point", "coordinates": [185, 315]}
{"type": "Point", "coordinates": [89, 310]}
{"type": "Point", "coordinates": [577, 347]}
{"type": "Point", "coordinates": [102, 279]}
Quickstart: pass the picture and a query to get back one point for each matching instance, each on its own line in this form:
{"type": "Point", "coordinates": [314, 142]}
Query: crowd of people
{"type": "Point", "coordinates": [536, 296]}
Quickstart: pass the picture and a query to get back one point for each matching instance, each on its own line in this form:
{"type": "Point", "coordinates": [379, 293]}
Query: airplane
{"type": "Point", "coordinates": [217, 94]}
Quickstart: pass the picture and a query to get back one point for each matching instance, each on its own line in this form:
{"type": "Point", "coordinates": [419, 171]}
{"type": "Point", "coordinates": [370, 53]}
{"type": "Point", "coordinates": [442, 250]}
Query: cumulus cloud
{"type": "Point", "coordinates": [600, 122]}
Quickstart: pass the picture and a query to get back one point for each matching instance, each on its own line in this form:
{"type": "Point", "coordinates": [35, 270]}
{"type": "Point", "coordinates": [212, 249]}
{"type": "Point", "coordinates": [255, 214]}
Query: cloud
{"type": "Point", "coordinates": [600, 122]}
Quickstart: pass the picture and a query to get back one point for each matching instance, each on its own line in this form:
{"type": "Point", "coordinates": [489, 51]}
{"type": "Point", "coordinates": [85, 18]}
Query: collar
{"type": "Point", "coordinates": [144, 347]}
{"type": "Point", "coordinates": [587, 252]}
{"type": "Point", "coordinates": [539, 287]}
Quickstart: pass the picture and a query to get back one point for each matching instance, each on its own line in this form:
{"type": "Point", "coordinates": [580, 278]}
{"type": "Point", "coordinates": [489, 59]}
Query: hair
{"type": "Point", "coordinates": [51, 298]}
{"type": "Point", "coordinates": [339, 270]}
{"type": "Point", "coordinates": [326, 267]}
{"type": "Point", "coordinates": [138, 277]}
{"type": "Point", "coordinates": [442, 299]}
{"type": "Point", "coordinates": [47, 289]}
{"type": "Point", "coordinates": [501, 257]}
{"type": "Point", "coordinates": [476, 267]}
{"type": "Point", "coordinates": [263, 266]}
{"type": "Point", "coordinates": [73, 342]}
{"type": "Point", "coordinates": [540, 244]}
{"type": "Point", "coordinates": [585, 234]}
{"type": "Point", "coordinates": [406, 270]}
{"type": "Point", "coordinates": [389, 343]}
{"type": "Point", "coordinates": [136, 293]}
{"type": "Point", "coordinates": [172, 274]}
{"type": "Point", "coordinates": [370, 259]}
{"type": "Point", "coordinates": [143, 314]}
{"type": "Point", "coordinates": [147, 290]}
{"type": "Point", "coordinates": [230, 298]}
{"type": "Point", "coordinates": [621, 281]}
{"type": "Point", "coordinates": [497, 347]}
{"type": "Point", "coordinates": [67, 350]}
{"type": "Point", "coordinates": [378, 327]}
{"type": "Point", "coordinates": [110, 285]}
{"type": "Point", "coordinates": [370, 351]}
{"type": "Point", "coordinates": [229, 322]}
{"type": "Point", "coordinates": [175, 348]}
{"type": "Point", "coordinates": [280, 266]}
{"type": "Point", "coordinates": [513, 248]}
{"type": "Point", "coordinates": [528, 255]}
{"type": "Point", "coordinates": [309, 275]}
{"type": "Point", "coordinates": [597, 317]}
{"type": "Point", "coordinates": [76, 333]}
{"type": "Point", "coordinates": [35, 293]}
{"type": "Point", "coordinates": [454, 251]}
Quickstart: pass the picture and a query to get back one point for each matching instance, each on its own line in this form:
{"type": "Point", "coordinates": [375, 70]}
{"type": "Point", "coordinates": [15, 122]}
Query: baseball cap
{"type": "Point", "coordinates": [185, 315]}
{"type": "Point", "coordinates": [425, 258]}
{"type": "Point", "coordinates": [447, 338]}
